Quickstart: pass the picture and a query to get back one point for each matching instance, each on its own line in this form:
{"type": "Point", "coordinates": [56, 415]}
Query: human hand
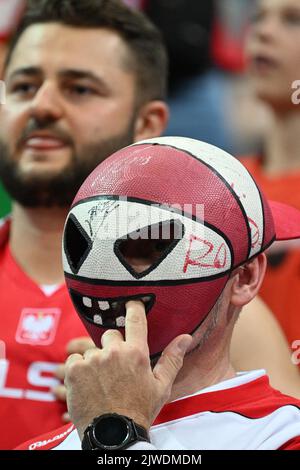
{"type": "Point", "coordinates": [76, 345]}
{"type": "Point", "coordinates": [118, 378]}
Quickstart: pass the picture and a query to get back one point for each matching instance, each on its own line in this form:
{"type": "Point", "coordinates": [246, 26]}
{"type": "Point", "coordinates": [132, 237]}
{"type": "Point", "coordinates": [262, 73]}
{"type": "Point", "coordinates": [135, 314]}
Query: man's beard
{"type": "Point", "coordinates": [57, 190]}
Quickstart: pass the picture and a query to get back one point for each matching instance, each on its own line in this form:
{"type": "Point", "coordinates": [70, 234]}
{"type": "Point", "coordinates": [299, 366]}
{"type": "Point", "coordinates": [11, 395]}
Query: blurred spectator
{"type": "Point", "coordinates": [10, 12]}
{"type": "Point", "coordinates": [209, 97]}
{"type": "Point", "coordinates": [274, 63]}
{"type": "Point", "coordinates": [246, 118]}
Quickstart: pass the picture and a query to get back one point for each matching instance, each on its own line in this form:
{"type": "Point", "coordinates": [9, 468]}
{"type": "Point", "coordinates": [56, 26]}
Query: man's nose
{"type": "Point", "coordinates": [46, 103]}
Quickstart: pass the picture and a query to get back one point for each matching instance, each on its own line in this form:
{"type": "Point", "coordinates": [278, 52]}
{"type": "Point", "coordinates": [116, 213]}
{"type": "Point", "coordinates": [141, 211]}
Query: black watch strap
{"type": "Point", "coordinates": [141, 432]}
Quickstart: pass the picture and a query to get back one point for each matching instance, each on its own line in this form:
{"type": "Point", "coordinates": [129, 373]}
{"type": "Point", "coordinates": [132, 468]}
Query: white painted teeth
{"type": "Point", "coordinates": [120, 321]}
{"type": "Point", "coordinates": [87, 302]}
{"type": "Point", "coordinates": [98, 319]}
{"type": "Point", "coordinates": [104, 305]}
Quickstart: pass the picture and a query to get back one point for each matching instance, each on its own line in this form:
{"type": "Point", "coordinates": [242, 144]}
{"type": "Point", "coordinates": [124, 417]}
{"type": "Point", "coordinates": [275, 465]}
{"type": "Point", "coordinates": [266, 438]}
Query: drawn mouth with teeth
{"type": "Point", "coordinates": [107, 313]}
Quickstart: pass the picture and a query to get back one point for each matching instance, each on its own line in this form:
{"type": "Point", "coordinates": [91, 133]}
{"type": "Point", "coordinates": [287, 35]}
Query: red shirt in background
{"type": "Point", "coordinates": [281, 287]}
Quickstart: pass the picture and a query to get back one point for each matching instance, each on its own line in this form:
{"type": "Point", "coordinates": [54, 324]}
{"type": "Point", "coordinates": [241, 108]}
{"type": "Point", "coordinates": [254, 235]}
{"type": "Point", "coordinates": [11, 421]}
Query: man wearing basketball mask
{"type": "Point", "coordinates": [162, 377]}
{"type": "Point", "coordinates": [75, 93]}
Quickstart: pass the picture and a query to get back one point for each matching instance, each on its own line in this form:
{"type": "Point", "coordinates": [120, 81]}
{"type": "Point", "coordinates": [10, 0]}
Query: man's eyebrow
{"type": "Point", "coordinates": [29, 71]}
{"type": "Point", "coordinates": [64, 74]}
{"type": "Point", "coordinates": [82, 74]}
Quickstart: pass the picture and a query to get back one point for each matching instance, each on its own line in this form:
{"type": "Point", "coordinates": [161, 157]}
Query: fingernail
{"type": "Point", "coordinates": [134, 302]}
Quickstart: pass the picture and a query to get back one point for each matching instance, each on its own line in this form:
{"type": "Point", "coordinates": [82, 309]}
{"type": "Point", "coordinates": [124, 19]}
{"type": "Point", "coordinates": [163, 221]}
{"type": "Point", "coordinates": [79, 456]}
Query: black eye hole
{"type": "Point", "coordinates": [142, 251]}
{"type": "Point", "coordinates": [77, 244]}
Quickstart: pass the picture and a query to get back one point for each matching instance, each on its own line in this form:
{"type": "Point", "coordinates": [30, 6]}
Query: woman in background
{"type": "Point", "coordinates": [274, 64]}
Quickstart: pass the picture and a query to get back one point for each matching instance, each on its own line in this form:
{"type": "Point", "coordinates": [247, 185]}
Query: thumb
{"type": "Point", "coordinates": [171, 361]}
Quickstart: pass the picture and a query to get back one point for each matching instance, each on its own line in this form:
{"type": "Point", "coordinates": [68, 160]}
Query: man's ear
{"type": "Point", "coordinates": [151, 121]}
{"type": "Point", "coordinates": [247, 279]}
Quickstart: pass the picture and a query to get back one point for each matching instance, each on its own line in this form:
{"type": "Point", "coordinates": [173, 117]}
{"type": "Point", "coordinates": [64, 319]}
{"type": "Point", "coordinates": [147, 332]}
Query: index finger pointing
{"type": "Point", "coordinates": [136, 331]}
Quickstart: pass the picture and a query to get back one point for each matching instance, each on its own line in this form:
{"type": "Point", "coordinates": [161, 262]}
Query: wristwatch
{"type": "Point", "coordinates": [112, 431]}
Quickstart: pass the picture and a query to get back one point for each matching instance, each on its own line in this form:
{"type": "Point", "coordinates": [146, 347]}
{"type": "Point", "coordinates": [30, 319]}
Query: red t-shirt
{"type": "Point", "coordinates": [35, 329]}
{"type": "Point", "coordinates": [281, 287]}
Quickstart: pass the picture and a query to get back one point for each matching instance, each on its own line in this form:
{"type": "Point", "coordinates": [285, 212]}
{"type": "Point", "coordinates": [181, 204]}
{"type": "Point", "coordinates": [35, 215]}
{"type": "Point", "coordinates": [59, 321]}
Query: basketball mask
{"type": "Point", "coordinates": [165, 221]}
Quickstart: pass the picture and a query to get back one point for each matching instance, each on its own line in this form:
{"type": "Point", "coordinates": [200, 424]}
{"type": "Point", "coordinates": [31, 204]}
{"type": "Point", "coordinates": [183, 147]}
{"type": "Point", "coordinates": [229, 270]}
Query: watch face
{"type": "Point", "coordinates": [111, 431]}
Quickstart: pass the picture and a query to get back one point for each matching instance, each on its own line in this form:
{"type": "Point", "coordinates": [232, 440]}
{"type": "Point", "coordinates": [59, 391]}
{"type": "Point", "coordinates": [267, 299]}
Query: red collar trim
{"type": "Point", "coordinates": [255, 399]}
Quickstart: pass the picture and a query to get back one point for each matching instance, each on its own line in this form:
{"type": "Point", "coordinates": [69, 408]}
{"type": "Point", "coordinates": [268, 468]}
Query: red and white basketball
{"type": "Point", "coordinates": [165, 220]}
